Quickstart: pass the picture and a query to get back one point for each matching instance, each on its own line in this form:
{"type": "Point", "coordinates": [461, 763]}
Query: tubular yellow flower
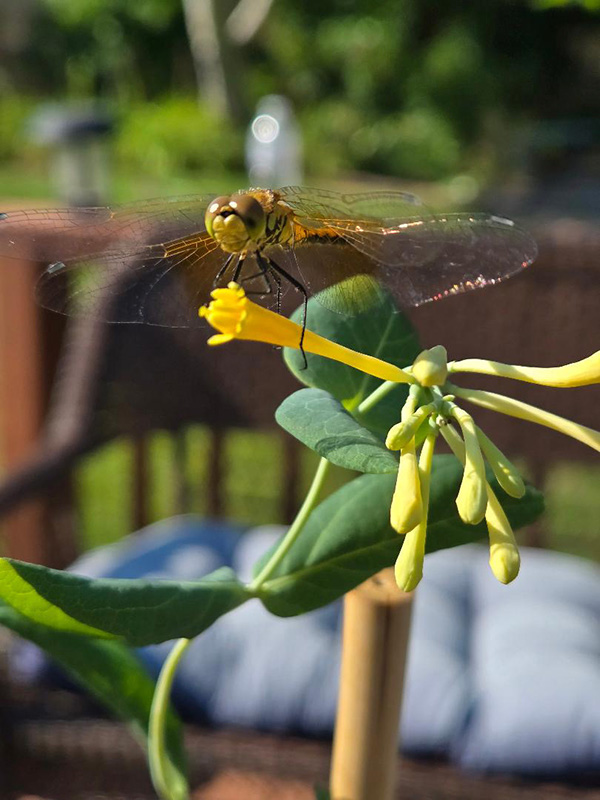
{"type": "Point", "coordinates": [516, 408]}
{"type": "Point", "coordinates": [472, 498]}
{"type": "Point", "coordinates": [430, 367]}
{"type": "Point", "coordinates": [505, 560]}
{"type": "Point", "coordinates": [579, 373]}
{"type": "Point", "coordinates": [237, 317]}
{"type": "Point", "coordinates": [408, 569]}
{"type": "Point", "coordinates": [504, 470]}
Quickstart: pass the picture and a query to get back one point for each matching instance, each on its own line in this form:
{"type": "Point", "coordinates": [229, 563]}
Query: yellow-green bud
{"type": "Point", "coordinates": [400, 434]}
{"type": "Point", "coordinates": [471, 500]}
{"type": "Point", "coordinates": [505, 560]}
{"type": "Point", "coordinates": [406, 510]}
{"type": "Point", "coordinates": [409, 564]}
{"type": "Point", "coordinates": [408, 569]}
{"type": "Point", "coordinates": [504, 470]}
{"type": "Point", "coordinates": [430, 368]}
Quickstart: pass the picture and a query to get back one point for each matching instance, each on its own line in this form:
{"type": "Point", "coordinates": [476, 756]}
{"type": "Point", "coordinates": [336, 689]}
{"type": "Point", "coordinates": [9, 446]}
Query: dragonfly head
{"type": "Point", "coordinates": [235, 222]}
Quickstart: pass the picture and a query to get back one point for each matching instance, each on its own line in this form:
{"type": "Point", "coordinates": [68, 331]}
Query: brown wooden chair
{"type": "Point", "coordinates": [114, 381]}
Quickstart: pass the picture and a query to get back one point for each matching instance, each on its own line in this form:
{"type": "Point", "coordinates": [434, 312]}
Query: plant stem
{"type": "Point", "coordinates": [166, 778]}
{"type": "Point", "coordinates": [312, 497]}
{"type": "Point", "coordinates": [372, 399]}
{"type": "Point", "coordinates": [295, 528]}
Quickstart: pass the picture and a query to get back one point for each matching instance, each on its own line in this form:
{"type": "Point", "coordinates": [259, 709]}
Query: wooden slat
{"type": "Point", "coordinates": [22, 398]}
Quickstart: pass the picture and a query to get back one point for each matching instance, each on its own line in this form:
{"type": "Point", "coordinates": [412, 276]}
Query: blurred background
{"type": "Point", "coordinates": [489, 106]}
{"type": "Point", "coordinates": [458, 95]}
{"type": "Point", "coordinates": [492, 106]}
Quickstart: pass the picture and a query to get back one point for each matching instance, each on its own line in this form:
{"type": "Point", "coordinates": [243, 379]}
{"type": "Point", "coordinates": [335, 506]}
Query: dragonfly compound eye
{"type": "Point", "coordinates": [250, 211]}
{"type": "Point", "coordinates": [215, 208]}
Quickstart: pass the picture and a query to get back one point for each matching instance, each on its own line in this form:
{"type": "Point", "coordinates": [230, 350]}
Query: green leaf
{"type": "Point", "coordinates": [382, 331]}
{"type": "Point", "coordinates": [110, 671]}
{"type": "Point", "coordinates": [348, 537]}
{"type": "Point", "coordinates": [141, 611]}
{"type": "Point", "coordinates": [320, 422]}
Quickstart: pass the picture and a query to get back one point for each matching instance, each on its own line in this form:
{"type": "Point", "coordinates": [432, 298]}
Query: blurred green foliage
{"type": "Point", "coordinates": [420, 89]}
{"type": "Point", "coordinates": [104, 490]}
{"type": "Point", "coordinates": [177, 135]}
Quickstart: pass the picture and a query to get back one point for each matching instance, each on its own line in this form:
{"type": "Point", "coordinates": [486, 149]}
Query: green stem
{"type": "Point", "coordinates": [312, 497]}
{"type": "Point", "coordinates": [169, 783]}
{"type": "Point", "coordinates": [379, 393]}
{"type": "Point", "coordinates": [295, 529]}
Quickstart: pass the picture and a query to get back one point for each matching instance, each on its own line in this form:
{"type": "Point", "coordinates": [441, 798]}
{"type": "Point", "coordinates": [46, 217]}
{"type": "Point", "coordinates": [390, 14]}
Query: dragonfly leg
{"type": "Point", "coordinates": [263, 272]}
{"type": "Point", "coordinates": [223, 270]}
{"type": "Point", "coordinates": [299, 287]}
{"type": "Point", "coordinates": [238, 269]}
{"type": "Point", "coordinates": [269, 273]}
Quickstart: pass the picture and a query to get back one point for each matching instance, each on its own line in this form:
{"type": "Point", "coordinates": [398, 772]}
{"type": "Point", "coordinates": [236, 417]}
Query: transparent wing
{"type": "Point", "coordinates": [147, 262]}
{"type": "Point", "coordinates": [154, 286]}
{"type": "Point", "coordinates": [64, 234]}
{"type": "Point", "coordinates": [469, 251]}
{"type": "Point", "coordinates": [420, 258]}
{"type": "Point", "coordinates": [364, 221]}
{"type": "Point", "coordinates": [342, 278]}
{"type": "Point", "coordinates": [366, 206]}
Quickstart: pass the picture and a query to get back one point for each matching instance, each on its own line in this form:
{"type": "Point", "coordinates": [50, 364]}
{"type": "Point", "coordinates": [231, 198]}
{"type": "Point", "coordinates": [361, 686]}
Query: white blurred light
{"type": "Point", "coordinates": [273, 144]}
{"type": "Point", "coordinates": [265, 128]}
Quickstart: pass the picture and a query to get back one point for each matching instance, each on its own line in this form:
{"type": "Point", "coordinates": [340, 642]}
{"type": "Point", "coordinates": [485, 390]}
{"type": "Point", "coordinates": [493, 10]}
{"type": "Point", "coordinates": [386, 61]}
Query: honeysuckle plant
{"type": "Point", "coordinates": [374, 403]}
{"type": "Point", "coordinates": [430, 409]}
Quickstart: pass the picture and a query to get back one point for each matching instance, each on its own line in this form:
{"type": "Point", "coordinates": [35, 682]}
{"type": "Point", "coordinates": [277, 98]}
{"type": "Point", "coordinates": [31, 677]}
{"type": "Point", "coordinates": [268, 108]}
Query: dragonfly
{"type": "Point", "coordinates": [157, 261]}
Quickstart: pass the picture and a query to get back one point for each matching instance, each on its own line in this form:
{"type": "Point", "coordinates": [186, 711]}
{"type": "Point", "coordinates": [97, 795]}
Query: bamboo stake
{"type": "Point", "coordinates": [374, 650]}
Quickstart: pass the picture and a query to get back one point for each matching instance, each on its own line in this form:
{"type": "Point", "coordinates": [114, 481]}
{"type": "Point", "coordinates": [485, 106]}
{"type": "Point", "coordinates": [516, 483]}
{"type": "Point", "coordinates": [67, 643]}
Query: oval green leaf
{"type": "Point", "coordinates": [382, 331]}
{"type": "Point", "coordinates": [348, 537]}
{"type": "Point", "coordinates": [140, 611]}
{"type": "Point", "coordinates": [320, 422]}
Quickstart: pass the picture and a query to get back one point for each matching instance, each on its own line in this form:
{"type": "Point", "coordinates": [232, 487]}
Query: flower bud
{"type": "Point", "coordinates": [408, 569]}
{"type": "Point", "coordinates": [406, 510]}
{"type": "Point", "coordinates": [400, 434]}
{"type": "Point", "coordinates": [504, 470]}
{"type": "Point", "coordinates": [505, 560]}
{"type": "Point", "coordinates": [471, 500]}
{"type": "Point", "coordinates": [430, 367]}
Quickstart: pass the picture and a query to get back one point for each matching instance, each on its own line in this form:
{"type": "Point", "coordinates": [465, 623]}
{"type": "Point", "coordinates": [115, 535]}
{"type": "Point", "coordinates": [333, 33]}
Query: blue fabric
{"type": "Point", "coordinates": [535, 662]}
{"type": "Point", "coordinates": [500, 678]}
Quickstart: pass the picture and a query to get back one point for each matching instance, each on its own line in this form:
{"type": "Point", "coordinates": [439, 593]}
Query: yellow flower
{"type": "Point", "coordinates": [429, 409]}
{"type": "Point", "coordinates": [579, 373]}
{"type": "Point", "coordinates": [516, 408]}
{"type": "Point", "coordinates": [236, 317]}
